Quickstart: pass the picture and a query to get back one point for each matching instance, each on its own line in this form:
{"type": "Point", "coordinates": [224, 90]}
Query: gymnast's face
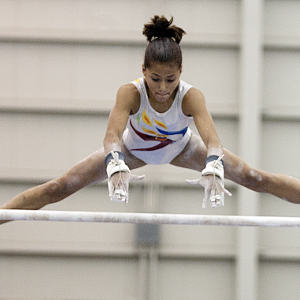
{"type": "Point", "coordinates": [162, 80]}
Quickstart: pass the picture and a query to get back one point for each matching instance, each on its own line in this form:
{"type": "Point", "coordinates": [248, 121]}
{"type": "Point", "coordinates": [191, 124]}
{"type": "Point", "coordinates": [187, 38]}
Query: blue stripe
{"type": "Point", "coordinates": [182, 131]}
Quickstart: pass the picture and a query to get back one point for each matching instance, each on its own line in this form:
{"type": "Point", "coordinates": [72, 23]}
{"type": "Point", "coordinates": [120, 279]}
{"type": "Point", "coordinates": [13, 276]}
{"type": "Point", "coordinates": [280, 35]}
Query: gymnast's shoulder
{"type": "Point", "coordinates": [193, 101]}
{"type": "Point", "coordinates": [129, 96]}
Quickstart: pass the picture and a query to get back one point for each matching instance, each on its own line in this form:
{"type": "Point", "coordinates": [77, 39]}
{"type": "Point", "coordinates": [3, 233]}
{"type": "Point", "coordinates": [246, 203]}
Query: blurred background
{"type": "Point", "coordinates": [61, 63]}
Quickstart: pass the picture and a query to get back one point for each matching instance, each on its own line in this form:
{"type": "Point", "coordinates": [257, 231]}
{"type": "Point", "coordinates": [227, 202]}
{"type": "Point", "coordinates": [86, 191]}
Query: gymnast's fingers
{"type": "Point", "coordinates": [134, 178]}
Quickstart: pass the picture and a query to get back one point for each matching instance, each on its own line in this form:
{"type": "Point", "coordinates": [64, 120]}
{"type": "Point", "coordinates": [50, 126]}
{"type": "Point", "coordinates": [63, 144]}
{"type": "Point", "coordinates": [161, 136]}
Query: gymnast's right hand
{"type": "Point", "coordinates": [119, 177]}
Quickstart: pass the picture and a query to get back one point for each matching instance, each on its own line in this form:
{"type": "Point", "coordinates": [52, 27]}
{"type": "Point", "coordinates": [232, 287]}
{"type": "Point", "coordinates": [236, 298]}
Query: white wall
{"type": "Point", "coordinates": [61, 63]}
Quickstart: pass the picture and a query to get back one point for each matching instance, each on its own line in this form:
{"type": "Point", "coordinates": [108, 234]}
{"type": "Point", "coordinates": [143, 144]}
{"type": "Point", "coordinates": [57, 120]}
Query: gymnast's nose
{"type": "Point", "coordinates": [162, 86]}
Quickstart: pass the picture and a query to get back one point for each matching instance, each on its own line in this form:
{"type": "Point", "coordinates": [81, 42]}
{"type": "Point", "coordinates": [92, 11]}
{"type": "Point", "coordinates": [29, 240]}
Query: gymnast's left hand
{"type": "Point", "coordinates": [212, 180]}
{"type": "Point", "coordinates": [214, 190]}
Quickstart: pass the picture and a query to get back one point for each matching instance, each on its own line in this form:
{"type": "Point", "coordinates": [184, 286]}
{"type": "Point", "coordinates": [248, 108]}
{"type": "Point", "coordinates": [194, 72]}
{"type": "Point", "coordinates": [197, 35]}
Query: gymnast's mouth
{"type": "Point", "coordinates": [162, 97]}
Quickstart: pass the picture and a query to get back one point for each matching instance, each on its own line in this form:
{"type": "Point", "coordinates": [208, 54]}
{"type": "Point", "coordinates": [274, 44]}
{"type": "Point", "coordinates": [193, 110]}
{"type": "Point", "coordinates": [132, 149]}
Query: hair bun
{"type": "Point", "coordinates": [160, 27]}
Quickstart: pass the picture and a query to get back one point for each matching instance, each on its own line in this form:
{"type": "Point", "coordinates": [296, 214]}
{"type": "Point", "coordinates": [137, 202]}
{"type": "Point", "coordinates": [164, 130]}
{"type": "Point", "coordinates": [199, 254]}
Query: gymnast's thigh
{"type": "Point", "coordinates": [132, 161]}
{"type": "Point", "coordinates": [193, 155]}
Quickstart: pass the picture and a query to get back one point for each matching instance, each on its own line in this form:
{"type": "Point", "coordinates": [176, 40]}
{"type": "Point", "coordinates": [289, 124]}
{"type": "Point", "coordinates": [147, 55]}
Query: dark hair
{"type": "Point", "coordinates": [163, 41]}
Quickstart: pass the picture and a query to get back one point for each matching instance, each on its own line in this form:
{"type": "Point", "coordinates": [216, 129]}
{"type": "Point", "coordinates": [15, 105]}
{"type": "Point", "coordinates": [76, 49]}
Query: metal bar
{"type": "Point", "coordinates": [147, 218]}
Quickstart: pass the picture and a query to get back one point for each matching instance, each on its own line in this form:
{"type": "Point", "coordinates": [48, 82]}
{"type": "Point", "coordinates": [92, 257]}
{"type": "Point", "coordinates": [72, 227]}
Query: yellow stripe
{"type": "Point", "coordinates": [146, 119]}
{"type": "Point", "coordinates": [161, 124]}
{"type": "Point", "coordinates": [149, 131]}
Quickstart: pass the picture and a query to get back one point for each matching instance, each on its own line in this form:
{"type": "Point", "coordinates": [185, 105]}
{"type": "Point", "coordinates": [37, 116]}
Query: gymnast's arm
{"type": "Point", "coordinates": [127, 102]}
{"type": "Point", "coordinates": [194, 105]}
{"type": "Point", "coordinates": [88, 170]}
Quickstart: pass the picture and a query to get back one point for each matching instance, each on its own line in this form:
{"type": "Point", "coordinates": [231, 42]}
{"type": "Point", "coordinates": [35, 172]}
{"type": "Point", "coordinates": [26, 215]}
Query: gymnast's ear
{"type": "Point", "coordinates": [143, 69]}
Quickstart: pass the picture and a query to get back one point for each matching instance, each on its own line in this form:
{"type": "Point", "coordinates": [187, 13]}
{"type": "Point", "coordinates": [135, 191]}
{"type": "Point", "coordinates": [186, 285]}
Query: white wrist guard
{"type": "Point", "coordinates": [115, 164]}
{"type": "Point", "coordinates": [214, 167]}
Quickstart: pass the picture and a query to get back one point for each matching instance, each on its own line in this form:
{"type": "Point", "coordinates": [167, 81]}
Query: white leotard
{"type": "Point", "coordinates": [157, 138]}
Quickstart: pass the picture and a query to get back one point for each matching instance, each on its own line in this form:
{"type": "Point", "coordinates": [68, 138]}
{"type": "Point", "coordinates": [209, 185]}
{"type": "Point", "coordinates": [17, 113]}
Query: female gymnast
{"type": "Point", "coordinates": [149, 124]}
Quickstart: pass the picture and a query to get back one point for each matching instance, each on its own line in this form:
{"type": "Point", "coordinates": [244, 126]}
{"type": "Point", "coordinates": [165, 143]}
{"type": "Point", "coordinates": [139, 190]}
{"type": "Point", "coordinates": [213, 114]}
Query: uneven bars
{"type": "Point", "coordinates": [147, 218]}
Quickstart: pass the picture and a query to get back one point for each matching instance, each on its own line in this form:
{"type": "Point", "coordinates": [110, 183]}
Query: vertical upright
{"type": "Point", "coordinates": [249, 137]}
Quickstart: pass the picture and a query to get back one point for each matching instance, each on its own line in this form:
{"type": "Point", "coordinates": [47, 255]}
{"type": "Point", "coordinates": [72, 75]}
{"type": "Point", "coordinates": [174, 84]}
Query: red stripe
{"type": "Point", "coordinates": [147, 137]}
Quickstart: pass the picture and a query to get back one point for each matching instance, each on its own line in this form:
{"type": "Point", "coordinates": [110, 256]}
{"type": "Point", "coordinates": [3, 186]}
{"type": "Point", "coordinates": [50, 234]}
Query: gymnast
{"type": "Point", "coordinates": [149, 124]}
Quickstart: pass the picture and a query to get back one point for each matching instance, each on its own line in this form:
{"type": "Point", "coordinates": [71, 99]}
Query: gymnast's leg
{"type": "Point", "coordinates": [236, 170]}
{"type": "Point", "coordinates": [89, 170]}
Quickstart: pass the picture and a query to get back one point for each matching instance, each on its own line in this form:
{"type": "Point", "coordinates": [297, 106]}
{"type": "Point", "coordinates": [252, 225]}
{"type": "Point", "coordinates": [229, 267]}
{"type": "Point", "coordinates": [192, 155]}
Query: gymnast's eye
{"type": "Point", "coordinates": [155, 79]}
{"type": "Point", "coordinates": [171, 80]}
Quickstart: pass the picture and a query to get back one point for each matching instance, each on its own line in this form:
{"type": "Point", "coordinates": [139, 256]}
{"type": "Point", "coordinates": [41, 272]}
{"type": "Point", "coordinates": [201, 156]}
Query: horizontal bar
{"type": "Point", "coordinates": [147, 218]}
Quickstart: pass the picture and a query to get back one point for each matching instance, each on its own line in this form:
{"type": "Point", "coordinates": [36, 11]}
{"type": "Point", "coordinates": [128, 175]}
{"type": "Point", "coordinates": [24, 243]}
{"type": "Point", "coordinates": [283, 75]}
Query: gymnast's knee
{"type": "Point", "coordinates": [56, 190]}
{"type": "Point", "coordinates": [254, 179]}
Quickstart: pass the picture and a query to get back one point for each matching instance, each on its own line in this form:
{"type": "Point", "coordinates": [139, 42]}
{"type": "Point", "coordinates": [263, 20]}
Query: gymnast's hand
{"type": "Point", "coordinates": [118, 185]}
{"type": "Point", "coordinates": [119, 177]}
{"type": "Point", "coordinates": [212, 180]}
